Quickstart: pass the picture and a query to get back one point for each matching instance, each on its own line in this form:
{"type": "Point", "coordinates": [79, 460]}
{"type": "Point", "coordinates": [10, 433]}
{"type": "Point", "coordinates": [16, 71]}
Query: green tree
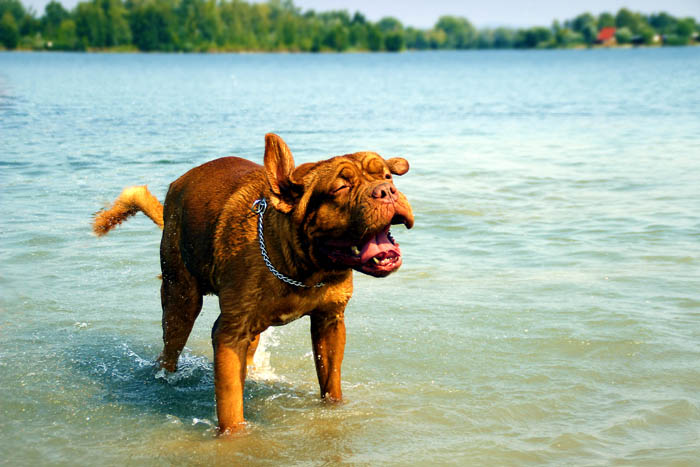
{"type": "Point", "coordinates": [260, 25]}
{"type": "Point", "coordinates": [359, 18]}
{"type": "Point", "coordinates": [375, 40]}
{"type": "Point", "coordinates": [28, 24]}
{"type": "Point", "coordinates": [586, 25]}
{"type": "Point", "coordinates": [581, 22]}
{"type": "Point", "coordinates": [392, 30]}
{"type": "Point", "coordinates": [394, 41]}
{"type": "Point", "coordinates": [287, 31]}
{"type": "Point", "coordinates": [358, 36]}
{"type": "Point", "coordinates": [389, 24]}
{"type": "Point", "coordinates": [663, 23]}
{"type": "Point", "coordinates": [22, 18]}
{"type": "Point", "coordinates": [565, 37]}
{"type": "Point", "coordinates": [503, 38]}
{"type": "Point", "coordinates": [437, 38]}
{"type": "Point", "coordinates": [459, 32]}
{"type": "Point", "coordinates": [648, 34]}
{"type": "Point", "coordinates": [65, 37]}
{"type": "Point", "coordinates": [152, 25]}
{"type": "Point", "coordinates": [9, 32]}
{"type": "Point", "coordinates": [210, 26]}
{"type": "Point", "coordinates": [589, 34]}
{"type": "Point", "coordinates": [484, 39]}
{"type": "Point", "coordinates": [606, 20]}
{"type": "Point", "coordinates": [309, 32]}
{"type": "Point", "coordinates": [54, 15]}
{"type": "Point", "coordinates": [235, 20]}
{"type": "Point", "coordinates": [629, 20]}
{"type": "Point", "coordinates": [14, 7]}
{"type": "Point", "coordinates": [117, 31]}
{"type": "Point", "coordinates": [415, 39]}
{"type": "Point", "coordinates": [91, 24]}
{"type": "Point", "coordinates": [337, 37]}
{"type": "Point", "coordinates": [686, 27]}
{"type": "Point", "coordinates": [200, 23]}
{"type": "Point", "coordinates": [623, 35]}
{"type": "Point", "coordinates": [533, 37]}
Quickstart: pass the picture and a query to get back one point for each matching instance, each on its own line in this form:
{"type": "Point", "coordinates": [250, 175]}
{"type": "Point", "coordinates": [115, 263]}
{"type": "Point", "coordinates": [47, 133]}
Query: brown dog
{"type": "Point", "coordinates": [274, 243]}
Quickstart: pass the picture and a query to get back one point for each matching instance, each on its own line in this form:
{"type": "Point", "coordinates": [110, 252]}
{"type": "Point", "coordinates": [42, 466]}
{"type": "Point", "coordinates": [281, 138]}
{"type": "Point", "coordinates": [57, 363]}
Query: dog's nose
{"type": "Point", "coordinates": [385, 191]}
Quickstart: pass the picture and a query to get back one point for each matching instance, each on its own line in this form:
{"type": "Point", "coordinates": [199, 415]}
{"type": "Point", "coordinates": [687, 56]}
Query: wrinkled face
{"type": "Point", "coordinates": [352, 204]}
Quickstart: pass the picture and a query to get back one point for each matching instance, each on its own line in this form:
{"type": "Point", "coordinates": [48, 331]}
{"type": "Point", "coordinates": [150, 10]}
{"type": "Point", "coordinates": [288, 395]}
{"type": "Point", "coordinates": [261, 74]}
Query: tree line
{"type": "Point", "coordinates": [278, 25]}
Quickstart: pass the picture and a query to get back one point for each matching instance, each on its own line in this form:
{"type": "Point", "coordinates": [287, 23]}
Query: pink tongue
{"type": "Point", "coordinates": [377, 245]}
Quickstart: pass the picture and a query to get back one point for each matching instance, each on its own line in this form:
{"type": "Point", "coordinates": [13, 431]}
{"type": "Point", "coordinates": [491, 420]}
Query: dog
{"type": "Point", "coordinates": [274, 243]}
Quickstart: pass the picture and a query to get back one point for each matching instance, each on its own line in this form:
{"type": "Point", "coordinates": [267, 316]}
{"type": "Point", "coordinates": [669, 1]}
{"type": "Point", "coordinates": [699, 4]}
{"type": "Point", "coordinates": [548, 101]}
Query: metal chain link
{"type": "Point", "coordinates": [259, 207]}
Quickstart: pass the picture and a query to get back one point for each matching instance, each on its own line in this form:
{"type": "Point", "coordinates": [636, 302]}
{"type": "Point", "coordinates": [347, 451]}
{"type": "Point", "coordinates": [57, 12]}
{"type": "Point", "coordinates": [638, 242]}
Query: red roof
{"type": "Point", "coordinates": [606, 34]}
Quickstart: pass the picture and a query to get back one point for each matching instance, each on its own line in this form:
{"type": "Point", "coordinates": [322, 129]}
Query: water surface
{"type": "Point", "coordinates": [546, 313]}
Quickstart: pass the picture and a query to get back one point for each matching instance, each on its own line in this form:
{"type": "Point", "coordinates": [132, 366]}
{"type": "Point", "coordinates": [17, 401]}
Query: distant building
{"type": "Point", "coordinates": [606, 36]}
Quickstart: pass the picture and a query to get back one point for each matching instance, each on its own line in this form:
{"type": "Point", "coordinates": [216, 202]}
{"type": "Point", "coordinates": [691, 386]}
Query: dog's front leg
{"type": "Point", "coordinates": [231, 339]}
{"type": "Point", "coordinates": [328, 337]}
{"type": "Point", "coordinates": [229, 381]}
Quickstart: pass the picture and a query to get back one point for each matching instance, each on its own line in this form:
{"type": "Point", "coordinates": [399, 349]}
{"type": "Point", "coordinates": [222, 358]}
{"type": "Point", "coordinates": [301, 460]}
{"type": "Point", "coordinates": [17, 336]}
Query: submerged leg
{"type": "Point", "coordinates": [182, 302]}
{"type": "Point", "coordinates": [233, 338]}
{"type": "Point", "coordinates": [229, 381]}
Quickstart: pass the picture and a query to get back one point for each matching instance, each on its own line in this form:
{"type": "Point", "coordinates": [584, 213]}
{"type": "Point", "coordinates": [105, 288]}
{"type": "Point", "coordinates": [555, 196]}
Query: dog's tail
{"type": "Point", "coordinates": [132, 200]}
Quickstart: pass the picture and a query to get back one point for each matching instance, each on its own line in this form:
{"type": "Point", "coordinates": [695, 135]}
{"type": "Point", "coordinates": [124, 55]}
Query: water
{"type": "Point", "coordinates": [546, 313]}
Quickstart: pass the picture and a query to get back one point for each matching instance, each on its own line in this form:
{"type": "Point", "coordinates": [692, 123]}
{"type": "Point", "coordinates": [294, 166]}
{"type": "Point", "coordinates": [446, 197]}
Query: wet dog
{"type": "Point", "coordinates": [274, 242]}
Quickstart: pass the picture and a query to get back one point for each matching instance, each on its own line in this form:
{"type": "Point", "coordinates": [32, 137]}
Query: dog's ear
{"type": "Point", "coordinates": [397, 165]}
{"type": "Point", "coordinates": [279, 166]}
{"type": "Point", "coordinates": [300, 172]}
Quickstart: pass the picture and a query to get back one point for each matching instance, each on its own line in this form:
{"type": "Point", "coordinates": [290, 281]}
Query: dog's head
{"type": "Point", "coordinates": [343, 207]}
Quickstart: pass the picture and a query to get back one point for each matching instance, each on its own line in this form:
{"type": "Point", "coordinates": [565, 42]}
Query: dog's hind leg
{"type": "Point", "coordinates": [182, 302]}
{"type": "Point", "coordinates": [181, 298]}
{"type": "Point", "coordinates": [181, 294]}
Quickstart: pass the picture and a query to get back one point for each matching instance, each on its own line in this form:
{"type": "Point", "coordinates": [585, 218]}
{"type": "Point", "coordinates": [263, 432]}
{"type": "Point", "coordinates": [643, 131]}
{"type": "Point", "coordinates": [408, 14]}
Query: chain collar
{"type": "Point", "coordinates": [259, 207]}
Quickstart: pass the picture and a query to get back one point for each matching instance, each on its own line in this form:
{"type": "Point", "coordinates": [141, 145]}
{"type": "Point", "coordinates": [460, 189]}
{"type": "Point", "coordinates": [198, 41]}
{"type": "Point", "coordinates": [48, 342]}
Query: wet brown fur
{"type": "Point", "coordinates": [210, 246]}
{"type": "Point", "coordinates": [129, 202]}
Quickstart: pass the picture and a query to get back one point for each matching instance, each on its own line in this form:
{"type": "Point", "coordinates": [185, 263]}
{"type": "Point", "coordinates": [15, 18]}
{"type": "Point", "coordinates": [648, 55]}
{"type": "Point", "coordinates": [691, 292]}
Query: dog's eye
{"type": "Point", "coordinates": [387, 176]}
{"type": "Point", "coordinates": [339, 189]}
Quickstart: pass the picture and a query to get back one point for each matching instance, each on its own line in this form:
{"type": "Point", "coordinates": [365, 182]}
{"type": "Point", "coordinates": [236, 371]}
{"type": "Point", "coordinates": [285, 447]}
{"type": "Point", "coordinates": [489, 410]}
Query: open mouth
{"type": "Point", "coordinates": [378, 256]}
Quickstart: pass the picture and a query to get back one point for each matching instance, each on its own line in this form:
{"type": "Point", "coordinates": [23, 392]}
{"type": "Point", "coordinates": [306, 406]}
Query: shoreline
{"type": "Point", "coordinates": [123, 50]}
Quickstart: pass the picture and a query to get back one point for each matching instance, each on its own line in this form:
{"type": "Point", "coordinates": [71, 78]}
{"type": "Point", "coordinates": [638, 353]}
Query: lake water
{"type": "Point", "coordinates": [548, 308]}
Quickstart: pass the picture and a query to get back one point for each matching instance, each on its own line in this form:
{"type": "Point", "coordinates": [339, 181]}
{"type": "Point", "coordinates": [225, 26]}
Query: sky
{"type": "Point", "coordinates": [481, 13]}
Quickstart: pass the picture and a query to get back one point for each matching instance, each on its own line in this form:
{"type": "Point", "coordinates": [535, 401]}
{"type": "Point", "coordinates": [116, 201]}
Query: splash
{"type": "Point", "coordinates": [203, 421]}
{"type": "Point", "coordinates": [140, 361]}
{"type": "Point", "coordinates": [261, 368]}
{"type": "Point", "coordinates": [191, 369]}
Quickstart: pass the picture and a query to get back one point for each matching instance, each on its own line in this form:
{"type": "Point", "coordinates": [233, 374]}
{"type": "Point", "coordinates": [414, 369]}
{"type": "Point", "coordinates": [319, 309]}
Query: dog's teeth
{"type": "Point", "coordinates": [376, 261]}
{"type": "Point", "coordinates": [355, 250]}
